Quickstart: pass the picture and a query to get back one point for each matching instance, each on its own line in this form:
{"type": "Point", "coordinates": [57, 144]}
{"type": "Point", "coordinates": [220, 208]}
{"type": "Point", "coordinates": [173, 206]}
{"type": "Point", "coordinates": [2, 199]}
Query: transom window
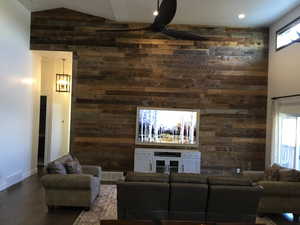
{"type": "Point", "coordinates": [288, 34]}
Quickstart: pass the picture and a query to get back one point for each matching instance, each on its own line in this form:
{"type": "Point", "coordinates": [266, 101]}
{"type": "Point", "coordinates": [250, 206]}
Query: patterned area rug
{"type": "Point", "coordinates": [105, 208]}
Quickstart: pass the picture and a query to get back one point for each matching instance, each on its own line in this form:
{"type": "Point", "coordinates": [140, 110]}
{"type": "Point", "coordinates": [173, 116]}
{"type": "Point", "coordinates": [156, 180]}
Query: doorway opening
{"type": "Point", "coordinates": [53, 132]}
{"type": "Point", "coordinates": [42, 131]}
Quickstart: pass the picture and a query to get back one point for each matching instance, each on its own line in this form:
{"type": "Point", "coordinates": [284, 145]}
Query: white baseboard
{"type": "Point", "coordinates": [2, 186]}
{"type": "Point", "coordinates": [16, 178]}
{"type": "Point", "coordinates": [30, 173]}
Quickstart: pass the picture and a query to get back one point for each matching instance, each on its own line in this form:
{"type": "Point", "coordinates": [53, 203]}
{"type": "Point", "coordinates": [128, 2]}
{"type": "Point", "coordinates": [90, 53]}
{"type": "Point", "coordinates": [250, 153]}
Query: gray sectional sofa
{"type": "Point", "coordinates": [188, 197]}
{"type": "Point", "coordinates": [232, 199]}
{"type": "Point", "coordinates": [76, 190]}
{"type": "Point", "coordinates": [280, 195]}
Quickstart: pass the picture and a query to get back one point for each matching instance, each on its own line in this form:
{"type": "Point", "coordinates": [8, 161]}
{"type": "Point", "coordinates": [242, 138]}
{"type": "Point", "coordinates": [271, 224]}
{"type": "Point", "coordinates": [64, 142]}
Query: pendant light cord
{"type": "Point", "coordinates": [158, 4]}
{"type": "Point", "coordinates": [63, 65]}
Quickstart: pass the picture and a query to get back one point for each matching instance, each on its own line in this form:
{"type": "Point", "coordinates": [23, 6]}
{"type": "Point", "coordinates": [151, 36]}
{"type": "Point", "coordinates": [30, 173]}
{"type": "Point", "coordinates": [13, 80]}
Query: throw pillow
{"type": "Point", "coordinates": [272, 173]}
{"type": "Point", "coordinates": [289, 175]}
{"type": "Point", "coordinates": [56, 168]}
{"type": "Point", "coordinates": [73, 167]}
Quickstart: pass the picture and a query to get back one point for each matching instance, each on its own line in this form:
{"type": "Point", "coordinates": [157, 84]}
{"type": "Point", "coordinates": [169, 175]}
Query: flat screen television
{"type": "Point", "coordinates": [170, 127]}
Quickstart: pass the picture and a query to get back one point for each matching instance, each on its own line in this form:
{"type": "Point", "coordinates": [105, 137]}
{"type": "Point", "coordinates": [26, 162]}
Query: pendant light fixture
{"type": "Point", "coordinates": [156, 12]}
{"type": "Point", "coordinates": [63, 81]}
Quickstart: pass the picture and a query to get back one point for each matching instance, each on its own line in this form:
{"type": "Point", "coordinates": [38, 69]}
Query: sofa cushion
{"type": "Point", "coordinates": [272, 173]}
{"type": "Point", "coordinates": [56, 167]}
{"type": "Point", "coordinates": [254, 175]}
{"type": "Point", "coordinates": [233, 204]}
{"type": "Point", "coordinates": [188, 178]}
{"type": "Point", "coordinates": [73, 167]}
{"type": "Point", "coordinates": [147, 177]}
{"type": "Point", "coordinates": [280, 188]}
{"type": "Point", "coordinates": [289, 175]}
{"type": "Point", "coordinates": [71, 181]}
{"type": "Point", "coordinates": [231, 181]}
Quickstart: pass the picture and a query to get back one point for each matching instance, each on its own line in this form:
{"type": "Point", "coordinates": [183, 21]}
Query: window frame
{"type": "Point", "coordinates": [296, 159]}
{"type": "Point", "coordinates": [285, 28]}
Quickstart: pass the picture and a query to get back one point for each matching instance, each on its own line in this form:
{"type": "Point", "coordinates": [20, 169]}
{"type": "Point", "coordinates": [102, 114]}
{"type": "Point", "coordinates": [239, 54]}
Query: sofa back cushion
{"type": "Point", "coordinates": [191, 178]}
{"type": "Point", "coordinates": [64, 159]}
{"type": "Point", "coordinates": [143, 200]}
{"type": "Point", "coordinates": [289, 175]}
{"type": "Point", "coordinates": [233, 204]}
{"type": "Point", "coordinates": [272, 173]}
{"type": "Point", "coordinates": [56, 167]}
{"type": "Point", "coordinates": [73, 167]}
{"type": "Point", "coordinates": [230, 181]}
{"type": "Point", "coordinates": [147, 177]}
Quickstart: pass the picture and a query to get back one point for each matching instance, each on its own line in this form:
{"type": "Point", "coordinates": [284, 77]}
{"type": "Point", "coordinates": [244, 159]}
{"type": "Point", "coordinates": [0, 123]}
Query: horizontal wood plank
{"type": "Point", "coordinates": [224, 76]}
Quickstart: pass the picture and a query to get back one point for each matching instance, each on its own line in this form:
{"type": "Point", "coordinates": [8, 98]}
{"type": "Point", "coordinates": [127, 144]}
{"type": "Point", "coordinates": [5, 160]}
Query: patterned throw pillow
{"type": "Point", "coordinates": [272, 173]}
{"type": "Point", "coordinates": [289, 175]}
{"type": "Point", "coordinates": [73, 167]}
{"type": "Point", "coordinates": [56, 168]}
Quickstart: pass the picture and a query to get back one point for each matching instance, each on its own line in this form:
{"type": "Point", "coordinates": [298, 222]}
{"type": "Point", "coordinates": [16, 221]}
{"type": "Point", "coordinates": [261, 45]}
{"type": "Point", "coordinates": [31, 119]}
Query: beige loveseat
{"type": "Point", "coordinates": [76, 190]}
{"type": "Point", "coordinates": [278, 196]}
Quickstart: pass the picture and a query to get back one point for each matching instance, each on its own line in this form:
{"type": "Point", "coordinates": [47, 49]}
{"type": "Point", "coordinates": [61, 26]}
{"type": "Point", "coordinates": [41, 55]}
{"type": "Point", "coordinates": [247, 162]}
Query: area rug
{"type": "Point", "coordinates": [105, 208]}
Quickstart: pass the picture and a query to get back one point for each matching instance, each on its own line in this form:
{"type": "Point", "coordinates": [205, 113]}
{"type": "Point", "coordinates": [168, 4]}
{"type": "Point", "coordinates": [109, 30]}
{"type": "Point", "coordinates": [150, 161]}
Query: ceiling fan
{"type": "Point", "coordinates": [166, 12]}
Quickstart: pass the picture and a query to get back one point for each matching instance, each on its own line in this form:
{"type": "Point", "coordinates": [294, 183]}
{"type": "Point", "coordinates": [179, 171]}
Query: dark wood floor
{"type": "Point", "coordinates": [24, 204]}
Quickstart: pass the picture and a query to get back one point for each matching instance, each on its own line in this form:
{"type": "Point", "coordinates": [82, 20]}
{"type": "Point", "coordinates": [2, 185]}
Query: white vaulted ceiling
{"type": "Point", "coordinates": [94, 7]}
{"type": "Point", "coordinates": [201, 12]}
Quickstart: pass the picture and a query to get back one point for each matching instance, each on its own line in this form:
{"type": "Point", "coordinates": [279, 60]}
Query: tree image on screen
{"type": "Point", "coordinates": [167, 127]}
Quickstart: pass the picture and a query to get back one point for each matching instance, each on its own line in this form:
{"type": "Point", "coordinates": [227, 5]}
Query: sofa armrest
{"type": "Point", "coordinates": [281, 188]}
{"type": "Point", "coordinates": [254, 175]}
{"type": "Point", "coordinates": [92, 170]}
{"type": "Point", "coordinates": [70, 181]}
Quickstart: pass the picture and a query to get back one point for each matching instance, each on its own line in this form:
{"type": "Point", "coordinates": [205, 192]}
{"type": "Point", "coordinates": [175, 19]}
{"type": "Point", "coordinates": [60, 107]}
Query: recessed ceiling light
{"type": "Point", "coordinates": [241, 16]}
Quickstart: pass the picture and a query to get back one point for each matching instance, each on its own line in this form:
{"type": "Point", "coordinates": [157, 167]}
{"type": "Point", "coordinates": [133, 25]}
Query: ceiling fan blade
{"type": "Point", "coordinates": [167, 11]}
{"type": "Point", "coordinates": [183, 35]}
{"type": "Point", "coordinates": [124, 30]}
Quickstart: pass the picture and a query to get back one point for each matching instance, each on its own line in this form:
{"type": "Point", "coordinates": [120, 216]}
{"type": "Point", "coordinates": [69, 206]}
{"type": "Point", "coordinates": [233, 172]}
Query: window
{"type": "Point", "coordinates": [289, 141]}
{"type": "Point", "coordinates": [288, 34]}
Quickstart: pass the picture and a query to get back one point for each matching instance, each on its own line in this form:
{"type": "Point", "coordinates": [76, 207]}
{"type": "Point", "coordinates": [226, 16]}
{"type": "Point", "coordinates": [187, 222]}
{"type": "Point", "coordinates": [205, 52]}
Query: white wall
{"type": "Point", "coordinates": [36, 89]}
{"type": "Point", "coordinates": [19, 88]}
{"type": "Point", "coordinates": [61, 110]}
{"type": "Point", "coordinates": [284, 72]}
{"type": "Point", "coordinates": [58, 104]}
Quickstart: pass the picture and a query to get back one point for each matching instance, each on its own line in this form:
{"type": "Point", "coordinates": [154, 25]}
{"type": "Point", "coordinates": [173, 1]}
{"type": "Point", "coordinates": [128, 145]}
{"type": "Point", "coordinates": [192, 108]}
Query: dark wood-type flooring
{"type": "Point", "coordinates": [24, 204]}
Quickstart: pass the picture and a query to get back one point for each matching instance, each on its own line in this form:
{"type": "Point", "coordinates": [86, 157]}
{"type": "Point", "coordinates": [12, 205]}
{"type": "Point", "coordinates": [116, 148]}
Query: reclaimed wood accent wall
{"type": "Point", "coordinates": [225, 77]}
